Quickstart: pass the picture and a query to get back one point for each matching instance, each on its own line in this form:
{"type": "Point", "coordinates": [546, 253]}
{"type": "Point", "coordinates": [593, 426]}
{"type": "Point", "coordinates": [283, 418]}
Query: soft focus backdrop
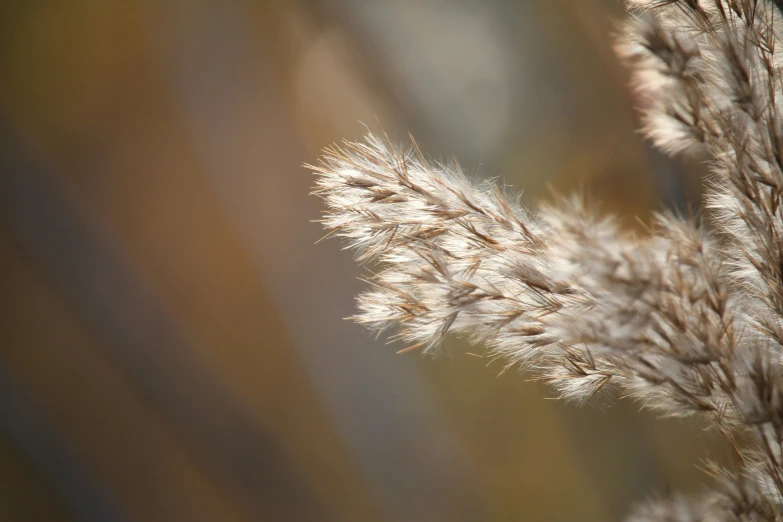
{"type": "Point", "coordinates": [172, 342]}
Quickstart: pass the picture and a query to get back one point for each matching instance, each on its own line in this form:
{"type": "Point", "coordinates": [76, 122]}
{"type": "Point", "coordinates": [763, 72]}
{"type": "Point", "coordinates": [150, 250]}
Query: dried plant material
{"type": "Point", "coordinates": [688, 322]}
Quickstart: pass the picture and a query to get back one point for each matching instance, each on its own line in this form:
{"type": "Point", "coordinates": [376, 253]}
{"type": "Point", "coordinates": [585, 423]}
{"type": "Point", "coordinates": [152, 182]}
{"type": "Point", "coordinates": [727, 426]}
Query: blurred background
{"type": "Point", "coordinates": [172, 342]}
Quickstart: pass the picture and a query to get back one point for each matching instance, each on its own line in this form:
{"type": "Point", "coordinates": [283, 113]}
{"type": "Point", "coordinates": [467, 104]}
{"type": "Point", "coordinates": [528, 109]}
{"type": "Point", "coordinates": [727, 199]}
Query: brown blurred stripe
{"type": "Point", "coordinates": [91, 407]}
{"type": "Point", "coordinates": [25, 496]}
{"type": "Point", "coordinates": [128, 165]}
{"type": "Point", "coordinates": [39, 477]}
{"type": "Point", "coordinates": [133, 327]}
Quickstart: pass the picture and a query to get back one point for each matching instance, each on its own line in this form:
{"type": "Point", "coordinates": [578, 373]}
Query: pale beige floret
{"type": "Point", "coordinates": [685, 320]}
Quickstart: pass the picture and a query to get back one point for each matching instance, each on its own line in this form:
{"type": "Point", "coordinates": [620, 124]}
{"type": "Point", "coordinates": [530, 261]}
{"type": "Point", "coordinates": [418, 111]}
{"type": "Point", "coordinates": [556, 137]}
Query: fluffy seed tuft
{"type": "Point", "coordinates": [686, 321]}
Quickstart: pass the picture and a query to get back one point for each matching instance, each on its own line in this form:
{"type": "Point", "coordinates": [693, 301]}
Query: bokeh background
{"type": "Point", "coordinates": [172, 342]}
